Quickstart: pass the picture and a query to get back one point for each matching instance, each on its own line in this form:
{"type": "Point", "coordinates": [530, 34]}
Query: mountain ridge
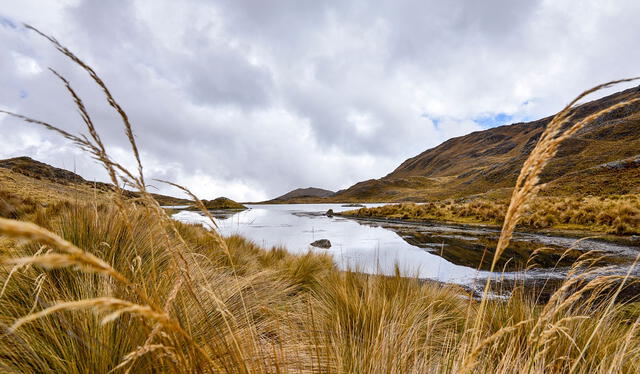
{"type": "Point", "coordinates": [490, 160]}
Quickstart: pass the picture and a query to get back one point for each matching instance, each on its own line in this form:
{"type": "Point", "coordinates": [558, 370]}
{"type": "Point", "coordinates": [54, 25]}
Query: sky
{"type": "Point", "coordinates": [251, 99]}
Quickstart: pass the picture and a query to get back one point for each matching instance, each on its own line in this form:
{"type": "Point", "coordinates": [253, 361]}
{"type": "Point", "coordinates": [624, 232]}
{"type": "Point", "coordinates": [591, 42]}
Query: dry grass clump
{"type": "Point", "coordinates": [610, 214]}
{"type": "Point", "coordinates": [120, 287]}
{"type": "Point", "coordinates": [478, 210]}
{"type": "Point", "coordinates": [276, 310]}
{"type": "Point", "coordinates": [68, 337]}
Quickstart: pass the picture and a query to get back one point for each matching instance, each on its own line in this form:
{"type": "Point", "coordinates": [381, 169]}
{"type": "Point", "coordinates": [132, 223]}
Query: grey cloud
{"type": "Point", "coordinates": [266, 96]}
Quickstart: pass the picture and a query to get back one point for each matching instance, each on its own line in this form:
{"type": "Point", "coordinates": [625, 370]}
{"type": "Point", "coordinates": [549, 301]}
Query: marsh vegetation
{"type": "Point", "coordinates": [613, 214]}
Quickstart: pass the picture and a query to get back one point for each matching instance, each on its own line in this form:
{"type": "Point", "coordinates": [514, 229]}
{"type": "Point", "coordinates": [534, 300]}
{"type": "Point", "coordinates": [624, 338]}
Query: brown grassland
{"type": "Point", "coordinates": [117, 286]}
{"type": "Point", "coordinates": [614, 214]}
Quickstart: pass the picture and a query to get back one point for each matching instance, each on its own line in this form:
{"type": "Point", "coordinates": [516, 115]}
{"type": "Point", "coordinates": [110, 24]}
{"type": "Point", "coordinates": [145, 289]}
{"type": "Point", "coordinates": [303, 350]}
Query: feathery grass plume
{"type": "Point", "coordinates": [527, 186]}
{"type": "Point", "coordinates": [201, 206]}
{"type": "Point", "coordinates": [471, 360]}
{"type": "Point", "coordinates": [609, 306]}
{"type": "Point", "coordinates": [56, 260]}
{"type": "Point", "coordinates": [38, 289]}
{"type": "Point", "coordinates": [107, 93]}
{"type": "Point", "coordinates": [99, 152]}
{"type": "Point", "coordinates": [76, 256]}
{"type": "Point", "coordinates": [98, 149]}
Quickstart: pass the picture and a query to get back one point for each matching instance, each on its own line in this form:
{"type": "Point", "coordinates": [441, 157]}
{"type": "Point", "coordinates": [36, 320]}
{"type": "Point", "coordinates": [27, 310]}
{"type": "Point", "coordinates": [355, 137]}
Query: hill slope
{"type": "Point", "coordinates": [303, 193]}
{"type": "Point", "coordinates": [489, 161]}
{"type": "Point", "coordinates": [29, 178]}
{"type": "Point", "coordinates": [39, 170]}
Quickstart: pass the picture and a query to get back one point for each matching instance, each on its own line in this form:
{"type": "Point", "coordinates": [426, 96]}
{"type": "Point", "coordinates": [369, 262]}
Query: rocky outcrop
{"type": "Point", "coordinates": [322, 243]}
{"type": "Point", "coordinates": [39, 170]}
{"type": "Point", "coordinates": [221, 203]}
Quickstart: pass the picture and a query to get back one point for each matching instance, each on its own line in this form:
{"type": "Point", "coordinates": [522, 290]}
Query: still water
{"type": "Point", "coordinates": [447, 253]}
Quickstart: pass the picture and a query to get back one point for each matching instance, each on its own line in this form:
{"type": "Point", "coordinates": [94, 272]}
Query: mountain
{"type": "Point", "coordinates": [300, 194]}
{"type": "Point", "coordinates": [39, 170]}
{"type": "Point", "coordinates": [600, 159]}
{"type": "Point", "coordinates": [221, 203]}
{"type": "Point", "coordinates": [31, 178]}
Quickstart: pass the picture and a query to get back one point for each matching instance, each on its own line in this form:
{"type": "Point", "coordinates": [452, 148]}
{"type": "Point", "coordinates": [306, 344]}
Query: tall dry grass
{"type": "Point", "coordinates": [123, 288]}
{"type": "Point", "coordinates": [615, 214]}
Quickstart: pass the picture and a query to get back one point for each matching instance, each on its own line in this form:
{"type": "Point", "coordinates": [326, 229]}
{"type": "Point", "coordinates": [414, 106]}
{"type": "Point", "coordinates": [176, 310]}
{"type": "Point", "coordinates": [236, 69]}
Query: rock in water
{"type": "Point", "coordinates": [322, 243]}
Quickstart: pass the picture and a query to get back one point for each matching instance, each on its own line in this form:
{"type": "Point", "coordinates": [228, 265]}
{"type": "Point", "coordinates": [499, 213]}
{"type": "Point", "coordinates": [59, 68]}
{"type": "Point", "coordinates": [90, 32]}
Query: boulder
{"type": "Point", "coordinates": [322, 243]}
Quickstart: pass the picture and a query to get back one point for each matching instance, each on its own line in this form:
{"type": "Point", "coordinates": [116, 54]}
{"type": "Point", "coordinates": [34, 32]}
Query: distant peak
{"type": "Point", "coordinates": [305, 192]}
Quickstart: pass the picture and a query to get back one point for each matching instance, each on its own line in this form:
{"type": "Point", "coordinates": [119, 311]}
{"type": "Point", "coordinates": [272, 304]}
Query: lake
{"type": "Point", "coordinates": [449, 253]}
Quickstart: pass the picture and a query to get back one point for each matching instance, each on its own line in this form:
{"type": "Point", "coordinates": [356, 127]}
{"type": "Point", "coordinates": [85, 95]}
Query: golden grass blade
{"type": "Point", "coordinates": [148, 345]}
{"type": "Point", "coordinates": [33, 232]}
{"type": "Point", "coordinates": [38, 289]}
{"type": "Point", "coordinates": [110, 99]}
{"type": "Point", "coordinates": [471, 360]}
{"type": "Point", "coordinates": [604, 315]}
{"type": "Point", "coordinates": [15, 269]}
{"type": "Point", "coordinates": [116, 306]}
{"type": "Point", "coordinates": [57, 260]}
{"type": "Point", "coordinates": [141, 351]}
{"type": "Point", "coordinates": [101, 152]}
{"type": "Point", "coordinates": [195, 198]}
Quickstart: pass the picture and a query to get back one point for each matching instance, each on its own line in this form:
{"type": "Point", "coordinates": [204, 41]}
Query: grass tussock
{"type": "Point", "coordinates": [616, 214]}
{"type": "Point", "coordinates": [120, 287]}
{"type": "Point", "coordinates": [272, 311]}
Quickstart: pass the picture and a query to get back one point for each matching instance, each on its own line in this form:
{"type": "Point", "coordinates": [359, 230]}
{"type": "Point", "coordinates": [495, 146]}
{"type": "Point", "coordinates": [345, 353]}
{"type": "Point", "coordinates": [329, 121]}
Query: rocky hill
{"type": "Point", "coordinates": [601, 159]}
{"type": "Point", "coordinates": [31, 178]}
{"type": "Point", "coordinates": [39, 170]}
{"type": "Point", "coordinates": [302, 194]}
{"type": "Point", "coordinates": [220, 203]}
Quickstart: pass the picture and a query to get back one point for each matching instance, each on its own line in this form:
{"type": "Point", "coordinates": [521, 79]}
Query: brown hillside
{"type": "Point", "coordinates": [29, 178]}
{"type": "Point", "coordinates": [488, 160]}
{"type": "Point", "coordinates": [302, 195]}
{"type": "Point", "coordinates": [39, 170]}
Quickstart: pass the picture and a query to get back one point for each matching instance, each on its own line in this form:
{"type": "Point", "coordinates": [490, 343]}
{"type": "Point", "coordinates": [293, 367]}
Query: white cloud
{"type": "Point", "coordinates": [249, 100]}
{"type": "Point", "coordinates": [25, 65]}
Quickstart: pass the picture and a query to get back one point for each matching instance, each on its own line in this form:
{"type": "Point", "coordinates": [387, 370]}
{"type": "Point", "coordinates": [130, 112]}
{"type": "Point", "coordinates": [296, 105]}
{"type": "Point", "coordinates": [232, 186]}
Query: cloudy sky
{"type": "Point", "coordinates": [250, 99]}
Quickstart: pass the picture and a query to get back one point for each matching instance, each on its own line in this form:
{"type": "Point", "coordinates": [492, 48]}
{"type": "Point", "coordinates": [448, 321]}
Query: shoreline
{"type": "Point", "coordinates": [631, 240]}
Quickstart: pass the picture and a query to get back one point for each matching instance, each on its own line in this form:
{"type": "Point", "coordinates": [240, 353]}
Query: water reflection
{"type": "Point", "coordinates": [441, 252]}
{"type": "Point", "coordinates": [475, 247]}
{"type": "Point", "coordinates": [223, 214]}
